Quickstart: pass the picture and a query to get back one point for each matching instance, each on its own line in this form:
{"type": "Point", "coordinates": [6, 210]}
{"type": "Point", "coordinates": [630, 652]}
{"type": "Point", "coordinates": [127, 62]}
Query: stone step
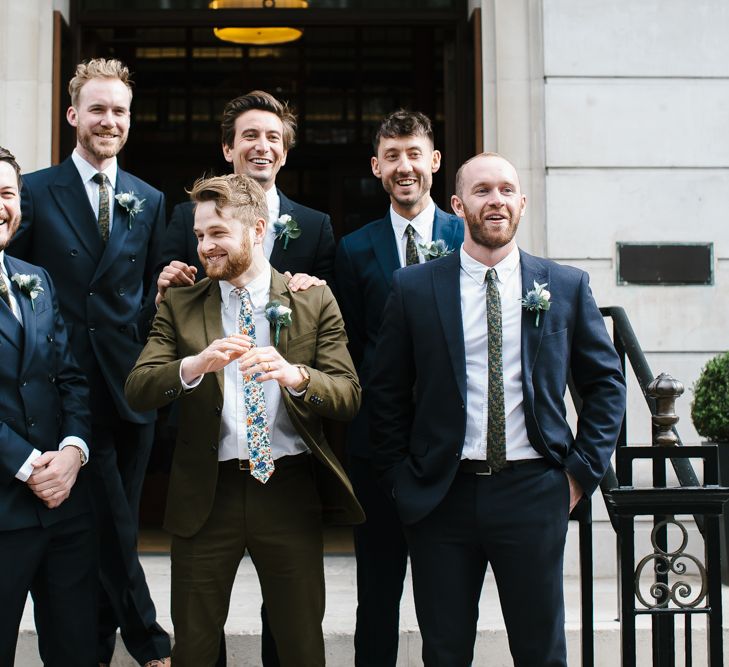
{"type": "Point", "coordinates": [244, 623]}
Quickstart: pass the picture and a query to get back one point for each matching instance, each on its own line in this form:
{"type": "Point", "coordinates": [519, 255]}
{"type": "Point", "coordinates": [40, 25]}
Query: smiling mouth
{"type": "Point", "coordinates": [405, 182]}
{"type": "Point", "coordinates": [260, 161]}
{"type": "Point", "coordinates": [213, 259]}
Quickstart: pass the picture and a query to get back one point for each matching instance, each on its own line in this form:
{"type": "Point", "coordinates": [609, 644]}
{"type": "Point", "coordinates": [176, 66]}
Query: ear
{"type": "Point", "coordinates": [283, 159]}
{"type": "Point", "coordinates": [523, 204]}
{"type": "Point", "coordinates": [375, 167]}
{"type": "Point", "coordinates": [72, 116]}
{"type": "Point", "coordinates": [259, 230]}
{"type": "Point", "coordinates": [435, 161]}
{"type": "Point", "coordinates": [227, 153]}
{"type": "Point", "coordinates": [457, 206]}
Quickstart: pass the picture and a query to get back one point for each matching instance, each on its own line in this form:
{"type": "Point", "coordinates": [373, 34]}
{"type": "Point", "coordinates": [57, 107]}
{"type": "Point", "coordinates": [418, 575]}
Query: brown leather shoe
{"type": "Point", "coordinates": [161, 662]}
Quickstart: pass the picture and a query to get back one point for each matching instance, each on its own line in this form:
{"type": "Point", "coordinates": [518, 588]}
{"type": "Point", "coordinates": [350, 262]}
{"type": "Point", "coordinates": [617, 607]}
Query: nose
{"type": "Point", "coordinates": [108, 118]}
{"type": "Point", "coordinates": [494, 197]}
{"type": "Point", "coordinates": [404, 166]}
{"type": "Point", "coordinates": [262, 144]}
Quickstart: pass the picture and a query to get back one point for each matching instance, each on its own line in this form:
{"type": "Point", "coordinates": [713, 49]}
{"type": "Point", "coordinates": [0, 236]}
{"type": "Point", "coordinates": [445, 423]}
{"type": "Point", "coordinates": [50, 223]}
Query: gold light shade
{"type": "Point", "coordinates": [258, 36]}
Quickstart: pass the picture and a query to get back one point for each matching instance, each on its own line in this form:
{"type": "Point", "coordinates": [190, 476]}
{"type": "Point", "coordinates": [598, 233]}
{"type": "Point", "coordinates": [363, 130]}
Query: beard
{"type": "Point", "coordinates": [421, 189]}
{"type": "Point", "coordinates": [8, 226]}
{"type": "Point", "coordinates": [235, 264]}
{"type": "Point", "coordinates": [101, 149]}
{"type": "Point", "coordinates": [483, 234]}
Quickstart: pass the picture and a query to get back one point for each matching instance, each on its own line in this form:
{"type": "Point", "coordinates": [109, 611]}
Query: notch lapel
{"type": "Point", "coordinates": [532, 269]}
{"type": "Point", "coordinates": [280, 292]}
{"type": "Point", "coordinates": [447, 289]}
{"type": "Point", "coordinates": [213, 323]}
{"type": "Point", "coordinates": [444, 228]}
{"type": "Point", "coordinates": [286, 207]}
{"type": "Point", "coordinates": [382, 239]}
{"type": "Point", "coordinates": [26, 332]}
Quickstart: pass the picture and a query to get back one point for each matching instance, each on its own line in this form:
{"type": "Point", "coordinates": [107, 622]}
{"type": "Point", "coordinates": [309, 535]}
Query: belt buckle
{"type": "Point", "coordinates": [486, 473]}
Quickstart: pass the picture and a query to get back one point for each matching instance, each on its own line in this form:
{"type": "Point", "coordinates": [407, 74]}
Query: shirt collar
{"type": "Point", "coordinates": [259, 288]}
{"type": "Point", "coordinates": [504, 268]}
{"type": "Point", "coordinates": [88, 171]}
{"type": "Point", "coordinates": [273, 201]}
{"type": "Point", "coordinates": [2, 263]}
{"type": "Point", "coordinates": [422, 223]}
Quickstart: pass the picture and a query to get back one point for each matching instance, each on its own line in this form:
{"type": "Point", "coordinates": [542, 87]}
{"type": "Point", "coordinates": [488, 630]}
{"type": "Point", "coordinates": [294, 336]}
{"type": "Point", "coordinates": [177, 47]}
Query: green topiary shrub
{"type": "Point", "coordinates": [710, 407]}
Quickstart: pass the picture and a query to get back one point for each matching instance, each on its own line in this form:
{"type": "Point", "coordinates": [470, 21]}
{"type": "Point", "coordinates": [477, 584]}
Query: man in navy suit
{"type": "Point", "coordinates": [405, 160]}
{"type": "Point", "coordinates": [98, 230]}
{"type": "Point", "coordinates": [47, 540]}
{"type": "Point", "coordinates": [483, 466]}
{"type": "Point", "coordinates": [257, 133]}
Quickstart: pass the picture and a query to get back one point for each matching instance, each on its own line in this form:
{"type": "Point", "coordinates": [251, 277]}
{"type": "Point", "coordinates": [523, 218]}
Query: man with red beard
{"type": "Point", "coordinates": [481, 462]}
{"type": "Point", "coordinates": [255, 367]}
{"type": "Point", "coordinates": [97, 230]}
{"type": "Point", "coordinates": [405, 160]}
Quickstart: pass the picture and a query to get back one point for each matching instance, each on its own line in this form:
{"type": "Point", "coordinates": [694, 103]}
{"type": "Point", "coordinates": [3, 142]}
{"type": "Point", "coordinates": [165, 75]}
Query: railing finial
{"type": "Point", "coordinates": [665, 389]}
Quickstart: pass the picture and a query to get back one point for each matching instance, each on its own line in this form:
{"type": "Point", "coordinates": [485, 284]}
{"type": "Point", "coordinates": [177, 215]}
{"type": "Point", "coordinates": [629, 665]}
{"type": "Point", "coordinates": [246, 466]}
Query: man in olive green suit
{"type": "Point", "coordinates": [255, 367]}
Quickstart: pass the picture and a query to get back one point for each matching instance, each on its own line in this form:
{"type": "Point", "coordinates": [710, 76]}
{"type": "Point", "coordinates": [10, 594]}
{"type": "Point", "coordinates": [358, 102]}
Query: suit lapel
{"type": "Point", "coordinates": [73, 202]}
{"type": "Point", "coordinates": [532, 269]}
{"type": "Point", "coordinates": [286, 207]}
{"type": "Point", "coordinates": [22, 336]}
{"type": "Point", "coordinates": [120, 225]}
{"type": "Point", "coordinates": [447, 289]}
{"type": "Point", "coordinates": [382, 239]}
{"type": "Point", "coordinates": [444, 228]}
{"type": "Point", "coordinates": [213, 322]}
{"type": "Point", "coordinates": [280, 292]}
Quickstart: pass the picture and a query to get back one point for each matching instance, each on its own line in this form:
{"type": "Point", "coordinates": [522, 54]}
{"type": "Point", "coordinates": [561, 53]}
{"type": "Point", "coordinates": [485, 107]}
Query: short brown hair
{"type": "Point", "coordinates": [236, 191]}
{"type": "Point", "coordinates": [403, 123]}
{"type": "Point", "coordinates": [459, 173]}
{"type": "Point", "coordinates": [7, 156]}
{"type": "Point", "coordinates": [98, 68]}
{"type": "Point", "coordinates": [261, 101]}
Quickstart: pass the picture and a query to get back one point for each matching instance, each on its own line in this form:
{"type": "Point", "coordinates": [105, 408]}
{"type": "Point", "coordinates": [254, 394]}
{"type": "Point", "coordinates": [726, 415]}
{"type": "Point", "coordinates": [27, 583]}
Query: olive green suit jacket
{"type": "Point", "coordinates": [188, 320]}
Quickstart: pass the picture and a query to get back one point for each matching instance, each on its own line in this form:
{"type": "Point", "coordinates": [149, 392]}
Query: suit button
{"type": "Point", "coordinates": [132, 258]}
{"type": "Point", "coordinates": [121, 291]}
{"type": "Point", "coordinates": [50, 338]}
{"type": "Point", "coordinates": [31, 421]}
{"type": "Point", "coordinates": [91, 293]}
{"type": "Point", "coordinates": [73, 252]}
{"type": "Point", "coordinates": [218, 411]}
{"type": "Point", "coordinates": [23, 383]}
{"type": "Point", "coordinates": [51, 378]}
{"type": "Point", "coordinates": [214, 448]}
{"type": "Point", "coordinates": [92, 328]}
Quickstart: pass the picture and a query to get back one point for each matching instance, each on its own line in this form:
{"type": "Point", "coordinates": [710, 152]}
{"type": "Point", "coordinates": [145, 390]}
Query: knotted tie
{"type": "Point", "coordinates": [496, 423]}
{"type": "Point", "coordinates": [103, 205]}
{"type": "Point", "coordinates": [254, 402]}
{"type": "Point", "coordinates": [4, 294]}
{"type": "Point", "coordinates": [411, 248]}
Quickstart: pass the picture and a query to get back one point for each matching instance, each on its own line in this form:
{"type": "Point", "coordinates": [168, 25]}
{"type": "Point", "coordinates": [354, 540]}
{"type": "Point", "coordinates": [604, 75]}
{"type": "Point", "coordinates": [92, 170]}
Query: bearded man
{"type": "Point", "coordinates": [469, 429]}
{"type": "Point", "coordinates": [255, 367]}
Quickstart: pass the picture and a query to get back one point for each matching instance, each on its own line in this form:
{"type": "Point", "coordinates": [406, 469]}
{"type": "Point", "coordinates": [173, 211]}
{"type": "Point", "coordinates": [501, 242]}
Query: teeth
{"type": "Point", "coordinates": [406, 181]}
{"type": "Point", "coordinates": [260, 161]}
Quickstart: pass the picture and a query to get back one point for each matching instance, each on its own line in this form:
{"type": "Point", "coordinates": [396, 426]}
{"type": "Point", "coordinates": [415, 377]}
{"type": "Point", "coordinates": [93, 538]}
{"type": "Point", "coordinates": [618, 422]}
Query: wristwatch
{"type": "Point", "coordinates": [306, 378]}
{"type": "Point", "coordinates": [81, 454]}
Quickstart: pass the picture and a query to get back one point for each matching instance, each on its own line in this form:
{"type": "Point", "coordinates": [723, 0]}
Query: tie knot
{"type": "Point", "coordinates": [99, 178]}
{"type": "Point", "coordinates": [491, 275]}
{"type": "Point", "coordinates": [410, 231]}
{"type": "Point", "coordinates": [243, 293]}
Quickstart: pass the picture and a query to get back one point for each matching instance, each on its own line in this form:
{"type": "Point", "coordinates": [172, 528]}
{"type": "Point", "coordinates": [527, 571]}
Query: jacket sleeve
{"type": "Point", "coordinates": [351, 301]}
{"type": "Point", "coordinates": [323, 265]}
{"type": "Point", "coordinates": [154, 253]}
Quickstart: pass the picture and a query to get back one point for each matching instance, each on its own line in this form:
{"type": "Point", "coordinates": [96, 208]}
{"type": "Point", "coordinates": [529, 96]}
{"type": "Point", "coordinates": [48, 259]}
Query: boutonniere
{"type": "Point", "coordinates": [279, 316]}
{"type": "Point", "coordinates": [30, 285]}
{"type": "Point", "coordinates": [286, 228]}
{"type": "Point", "coordinates": [434, 249]}
{"type": "Point", "coordinates": [131, 204]}
{"type": "Point", "coordinates": [537, 300]}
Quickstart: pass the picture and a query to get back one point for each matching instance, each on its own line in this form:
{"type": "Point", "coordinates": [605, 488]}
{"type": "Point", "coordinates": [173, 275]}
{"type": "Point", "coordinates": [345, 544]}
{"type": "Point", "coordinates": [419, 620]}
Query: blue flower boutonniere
{"type": "Point", "coordinates": [30, 285]}
{"type": "Point", "coordinates": [434, 249]}
{"type": "Point", "coordinates": [131, 203]}
{"type": "Point", "coordinates": [537, 300]}
{"type": "Point", "coordinates": [279, 316]}
{"type": "Point", "coordinates": [286, 229]}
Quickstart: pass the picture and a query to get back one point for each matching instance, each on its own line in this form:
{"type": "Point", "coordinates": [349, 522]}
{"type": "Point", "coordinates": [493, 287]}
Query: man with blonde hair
{"type": "Point", "coordinates": [265, 365]}
{"type": "Point", "coordinates": [97, 230]}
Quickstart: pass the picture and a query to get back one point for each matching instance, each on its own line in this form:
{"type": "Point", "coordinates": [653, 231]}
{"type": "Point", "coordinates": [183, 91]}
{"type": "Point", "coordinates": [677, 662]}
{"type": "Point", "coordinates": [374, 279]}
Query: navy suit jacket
{"type": "Point", "coordinates": [418, 445]}
{"type": "Point", "coordinates": [44, 399]}
{"type": "Point", "coordinates": [106, 292]}
{"type": "Point", "coordinates": [366, 260]}
{"type": "Point", "coordinates": [312, 252]}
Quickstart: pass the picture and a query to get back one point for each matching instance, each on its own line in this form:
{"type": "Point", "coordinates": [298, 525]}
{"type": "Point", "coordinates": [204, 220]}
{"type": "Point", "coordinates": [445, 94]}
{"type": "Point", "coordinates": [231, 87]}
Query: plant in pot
{"type": "Point", "coordinates": [710, 415]}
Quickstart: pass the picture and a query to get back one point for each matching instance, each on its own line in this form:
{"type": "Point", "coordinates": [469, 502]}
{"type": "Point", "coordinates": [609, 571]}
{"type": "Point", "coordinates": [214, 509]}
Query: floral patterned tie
{"type": "Point", "coordinates": [411, 248]}
{"type": "Point", "coordinates": [4, 292]}
{"type": "Point", "coordinates": [496, 422]}
{"type": "Point", "coordinates": [103, 205]}
{"type": "Point", "coordinates": [254, 402]}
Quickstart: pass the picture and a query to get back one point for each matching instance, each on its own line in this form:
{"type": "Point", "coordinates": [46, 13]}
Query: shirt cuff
{"type": "Point", "coordinates": [194, 383]}
{"type": "Point", "coordinates": [297, 394]}
{"type": "Point", "coordinates": [76, 442]}
{"type": "Point", "coordinates": [26, 470]}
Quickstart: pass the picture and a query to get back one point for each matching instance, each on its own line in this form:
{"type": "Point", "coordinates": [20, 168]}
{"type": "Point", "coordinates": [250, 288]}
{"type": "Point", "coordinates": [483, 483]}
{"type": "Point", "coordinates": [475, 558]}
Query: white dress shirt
{"type": "Point", "coordinates": [274, 210]}
{"type": "Point", "coordinates": [87, 173]}
{"type": "Point", "coordinates": [285, 440]}
{"type": "Point", "coordinates": [26, 469]}
{"type": "Point", "coordinates": [422, 224]}
{"type": "Point", "coordinates": [475, 331]}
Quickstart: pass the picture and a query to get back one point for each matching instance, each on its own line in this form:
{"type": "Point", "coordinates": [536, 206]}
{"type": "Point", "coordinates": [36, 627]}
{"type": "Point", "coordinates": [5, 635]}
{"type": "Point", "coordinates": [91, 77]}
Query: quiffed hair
{"type": "Point", "coordinates": [7, 156]}
{"type": "Point", "coordinates": [239, 192]}
{"type": "Point", "coordinates": [402, 123]}
{"type": "Point", "coordinates": [261, 101]}
{"type": "Point", "coordinates": [98, 68]}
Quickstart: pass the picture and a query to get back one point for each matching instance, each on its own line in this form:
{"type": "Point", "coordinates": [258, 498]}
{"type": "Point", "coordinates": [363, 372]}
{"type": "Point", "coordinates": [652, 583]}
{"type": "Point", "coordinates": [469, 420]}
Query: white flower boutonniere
{"type": "Point", "coordinates": [279, 316]}
{"type": "Point", "coordinates": [537, 300]}
{"type": "Point", "coordinates": [30, 285]}
{"type": "Point", "coordinates": [131, 203]}
{"type": "Point", "coordinates": [286, 229]}
{"type": "Point", "coordinates": [434, 249]}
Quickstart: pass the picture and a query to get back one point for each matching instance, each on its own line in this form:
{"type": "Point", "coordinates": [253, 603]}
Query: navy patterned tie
{"type": "Point", "coordinates": [496, 423]}
{"type": "Point", "coordinates": [103, 206]}
{"type": "Point", "coordinates": [411, 248]}
{"type": "Point", "coordinates": [4, 293]}
{"type": "Point", "coordinates": [254, 402]}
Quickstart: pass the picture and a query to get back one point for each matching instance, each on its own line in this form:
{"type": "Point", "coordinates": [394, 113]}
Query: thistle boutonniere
{"type": "Point", "coordinates": [279, 316]}
{"type": "Point", "coordinates": [30, 285]}
{"type": "Point", "coordinates": [286, 228]}
{"type": "Point", "coordinates": [434, 249]}
{"type": "Point", "coordinates": [131, 203]}
{"type": "Point", "coordinates": [537, 300]}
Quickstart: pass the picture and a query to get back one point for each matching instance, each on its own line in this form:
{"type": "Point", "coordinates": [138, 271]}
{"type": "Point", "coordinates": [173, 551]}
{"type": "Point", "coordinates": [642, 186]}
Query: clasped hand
{"type": "Point", "coordinates": [54, 474]}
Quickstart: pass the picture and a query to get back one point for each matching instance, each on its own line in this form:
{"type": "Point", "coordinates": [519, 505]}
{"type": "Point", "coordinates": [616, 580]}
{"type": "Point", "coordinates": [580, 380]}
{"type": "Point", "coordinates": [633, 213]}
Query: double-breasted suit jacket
{"type": "Point", "coordinates": [366, 260]}
{"type": "Point", "coordinates": [312, 252]}
{"type": "Point", "coordinates": [188, 320]}
{"type": "Point", "coordinates": [418, 445]}
{"type": "Point", "coordinates": [44, 399]}
{"type": "Point", "coordinates": [106, 291]}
